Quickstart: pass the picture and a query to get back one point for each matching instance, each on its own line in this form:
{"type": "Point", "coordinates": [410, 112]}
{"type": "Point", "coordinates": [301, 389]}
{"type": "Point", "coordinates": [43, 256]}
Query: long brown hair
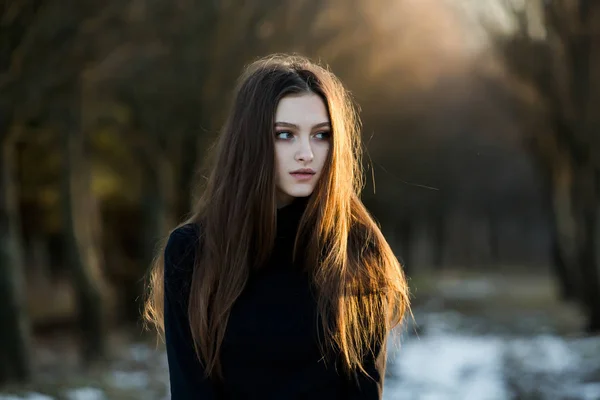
{"type": "Point", "coordinates": [361, 289]}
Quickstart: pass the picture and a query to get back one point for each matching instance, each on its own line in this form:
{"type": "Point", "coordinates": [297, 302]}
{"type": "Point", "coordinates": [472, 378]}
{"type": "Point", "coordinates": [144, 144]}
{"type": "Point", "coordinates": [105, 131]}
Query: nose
{"type": "Point", "coordinates": [304, 152]}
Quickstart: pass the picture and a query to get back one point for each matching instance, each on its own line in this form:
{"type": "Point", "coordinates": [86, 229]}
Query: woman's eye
{"type": "Point", "coordinates": [323, 135]}
{"type": "Point", "coordinates": [283, 135]}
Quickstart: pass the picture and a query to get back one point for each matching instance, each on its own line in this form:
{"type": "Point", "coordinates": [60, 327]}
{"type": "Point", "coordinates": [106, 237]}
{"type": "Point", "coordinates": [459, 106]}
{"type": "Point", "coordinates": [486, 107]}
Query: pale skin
{"type": "Point", "coordinates": [302, 142]}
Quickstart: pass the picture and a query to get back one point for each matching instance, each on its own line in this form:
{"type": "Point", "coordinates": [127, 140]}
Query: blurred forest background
{"type": "Point", "coordinates": [482, 127]}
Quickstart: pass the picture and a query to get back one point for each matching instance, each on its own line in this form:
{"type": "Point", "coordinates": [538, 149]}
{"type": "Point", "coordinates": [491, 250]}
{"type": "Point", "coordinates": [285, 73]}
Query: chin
{"type": "Point", "coordinates": [300, 191]}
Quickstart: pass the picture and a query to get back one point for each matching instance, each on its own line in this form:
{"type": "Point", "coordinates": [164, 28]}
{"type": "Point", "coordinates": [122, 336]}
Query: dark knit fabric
{"type": "Point", "coordinates": [270, 349]}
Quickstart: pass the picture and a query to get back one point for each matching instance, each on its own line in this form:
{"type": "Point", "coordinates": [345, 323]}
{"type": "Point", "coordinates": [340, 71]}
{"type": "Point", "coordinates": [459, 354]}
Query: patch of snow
{"type": "Point", "coordinates": [590, 391]}
{"type": "Point", "coordinates": [450, 366]}
{"type": "Point", "coordinates": [438, 323]}
{"type": "Point", "coordinates": [28, 396]}
{"type": "Point", "coordinates": [140, 352]}
{"type": "Point", "coordinates": [445, 360]}
{"type": "Point", "coordinates": [544, 354]}
{"type": "Point", "coordinates": [129, 379]}
{"type": "Point", "coordinates": [38, 396]}
{"type": "Point", "coordinates": [86, 393]}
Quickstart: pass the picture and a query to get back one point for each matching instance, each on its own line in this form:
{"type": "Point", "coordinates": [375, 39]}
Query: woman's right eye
{"type": "Point", "coordinates": [283, 135]}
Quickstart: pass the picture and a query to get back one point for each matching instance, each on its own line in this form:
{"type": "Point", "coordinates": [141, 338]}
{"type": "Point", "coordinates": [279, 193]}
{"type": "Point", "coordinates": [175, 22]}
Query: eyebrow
{"type": "Point", "coordinates": [289, 125]}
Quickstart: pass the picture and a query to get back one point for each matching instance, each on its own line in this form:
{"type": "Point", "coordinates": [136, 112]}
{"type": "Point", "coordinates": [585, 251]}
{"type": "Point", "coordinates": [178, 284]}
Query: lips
{"type": "Point", "coordinates": [303, 174]}
{"type": "Point", "coordinates": [303, 171]}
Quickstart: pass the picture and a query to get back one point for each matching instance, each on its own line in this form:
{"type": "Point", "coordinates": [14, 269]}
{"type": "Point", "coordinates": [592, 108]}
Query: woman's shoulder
{"type": "Point", "coordinates": [180, 250]}
{"type": "Point", "coordinates": [182, 240]}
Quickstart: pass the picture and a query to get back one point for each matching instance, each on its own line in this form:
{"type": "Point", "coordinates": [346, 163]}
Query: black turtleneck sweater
{"type": "Point", "coordinates": [270, 349]}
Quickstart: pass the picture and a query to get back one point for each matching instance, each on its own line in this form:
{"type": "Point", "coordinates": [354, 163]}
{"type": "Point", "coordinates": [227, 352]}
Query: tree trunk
{"type": "Point", "coordinates": [159, 196]}
{"type": "Point", "coordinates": [589, 266]}
{"type": "Point", "coordinates": [15, 356]}
{"type": "Point", "coordinates": [566, 285]}
{"type": "Point", "coordinates": [564, 235]}
{"type": "Point", "coordinates": [493, 236]}
{"type": "Point", "coordinates": [156, 207]}
{"type": "Point", "coordinates": [439, 240]}
{"type": "Point", "coordinates": [81, 247]}
{"type": "Point", "coordinates": [563, 271]}
{"type": "Point", "coordinates": [587, 204]}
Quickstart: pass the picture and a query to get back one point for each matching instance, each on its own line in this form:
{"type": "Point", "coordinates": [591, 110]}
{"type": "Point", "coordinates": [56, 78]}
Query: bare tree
{"type": "Point", "coordinates": [47, 60]}
{"type": "Point", "coordinates": [81, 232]}
{"type": "Point", "coordinates": [562, 66]}
{"type": "Point", "coordinates": [15, 361]}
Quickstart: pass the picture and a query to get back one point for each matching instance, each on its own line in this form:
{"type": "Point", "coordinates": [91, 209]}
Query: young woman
{"type": "Point", "coordinates": [281, 285]}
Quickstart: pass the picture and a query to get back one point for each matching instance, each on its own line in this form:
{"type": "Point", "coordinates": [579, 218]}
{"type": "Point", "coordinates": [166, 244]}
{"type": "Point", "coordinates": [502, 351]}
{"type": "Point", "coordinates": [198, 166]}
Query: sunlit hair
{"type": "Point", "coordinates": [361, 289]}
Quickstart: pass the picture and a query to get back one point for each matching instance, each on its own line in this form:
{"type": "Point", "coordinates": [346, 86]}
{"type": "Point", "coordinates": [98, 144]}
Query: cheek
{"type": "Point", "coordinates": [279, 159]}
{"type": "Point", "coordinates": [323, 152]}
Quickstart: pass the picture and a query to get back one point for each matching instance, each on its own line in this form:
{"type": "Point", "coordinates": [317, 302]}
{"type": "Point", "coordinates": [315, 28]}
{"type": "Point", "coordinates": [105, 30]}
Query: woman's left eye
{"type": "Point", "coordinates": [323, 135]}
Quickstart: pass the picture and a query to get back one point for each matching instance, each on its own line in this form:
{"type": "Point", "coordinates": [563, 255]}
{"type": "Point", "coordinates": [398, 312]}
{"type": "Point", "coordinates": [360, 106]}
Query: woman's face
{"type": "Point", "coordinates": [302, 141]}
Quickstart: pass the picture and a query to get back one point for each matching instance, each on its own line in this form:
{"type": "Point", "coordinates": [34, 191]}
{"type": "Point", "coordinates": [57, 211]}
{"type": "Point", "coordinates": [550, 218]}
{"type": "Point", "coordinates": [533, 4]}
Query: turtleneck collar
{"type": "Point", "coordinates": [288, 217]}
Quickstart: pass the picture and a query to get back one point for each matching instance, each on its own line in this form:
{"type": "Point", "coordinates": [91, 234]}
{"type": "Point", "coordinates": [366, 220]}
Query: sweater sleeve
{"type": "Point", "coordinates": [186, 373]}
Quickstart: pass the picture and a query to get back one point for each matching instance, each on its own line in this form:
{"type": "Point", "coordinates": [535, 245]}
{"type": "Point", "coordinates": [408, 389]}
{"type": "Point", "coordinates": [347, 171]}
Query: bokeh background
{"type": "Point", "coordinates": [482, 131]}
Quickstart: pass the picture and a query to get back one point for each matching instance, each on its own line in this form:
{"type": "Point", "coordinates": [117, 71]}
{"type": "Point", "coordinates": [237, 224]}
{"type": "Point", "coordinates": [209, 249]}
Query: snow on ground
{"type": "Point", "coordinates": [437, 365]}
{"type": "Point", "coordinates": [28, 396]}
{"type": "Point", "coordinates": [445, 355]}
{"type": "Point", "coordinates": [444, 364]}
{"type": "Point", "coordinates": [449, 367]}
{"type": "Point", "coordinates": [86, 393]}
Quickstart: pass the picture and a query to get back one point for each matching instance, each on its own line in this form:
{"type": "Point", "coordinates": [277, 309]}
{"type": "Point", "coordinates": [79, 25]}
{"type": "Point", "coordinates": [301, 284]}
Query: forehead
{"type": "Point", "coordinates": [305, 109]}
